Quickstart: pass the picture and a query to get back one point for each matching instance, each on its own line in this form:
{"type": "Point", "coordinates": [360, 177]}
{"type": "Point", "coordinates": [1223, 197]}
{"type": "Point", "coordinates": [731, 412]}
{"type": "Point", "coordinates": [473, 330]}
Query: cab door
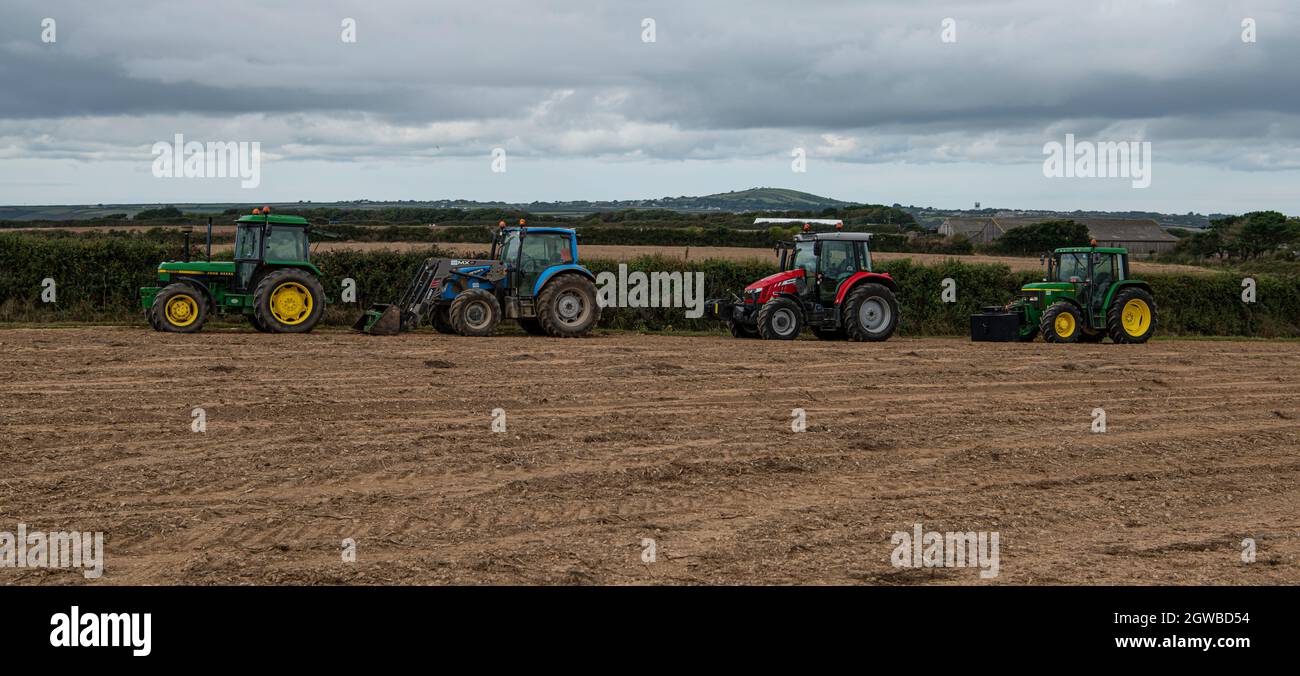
{"type": "Point", "coordinates": [836, 264]}
{"type": "Point", "coordinates": [1103, 274]}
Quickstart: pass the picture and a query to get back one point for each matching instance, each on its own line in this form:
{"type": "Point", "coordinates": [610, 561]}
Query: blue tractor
{"type": "Point", "coordinates": [532, 275]}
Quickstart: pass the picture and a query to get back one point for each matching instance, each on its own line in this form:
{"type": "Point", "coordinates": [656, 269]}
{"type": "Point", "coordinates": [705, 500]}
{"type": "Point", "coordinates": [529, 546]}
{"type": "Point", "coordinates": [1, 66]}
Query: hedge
{"type": "Point", "coordinates": [98, 280]}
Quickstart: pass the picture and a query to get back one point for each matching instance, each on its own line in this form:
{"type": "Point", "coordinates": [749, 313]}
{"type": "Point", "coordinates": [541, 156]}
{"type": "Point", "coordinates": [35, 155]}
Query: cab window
{"type": "Point", "coordinates": [805, 259]}
{"type": "Point", "coordinates": [837, 259]}
{"type": "Point", "coordinates": [248, 242]}
{"type": "Point", "coordinates": [864, 256]}
{"type": "Point", "coordinates": [286, 244]}
{"type": "Point", "coordinates": [1072, 266]}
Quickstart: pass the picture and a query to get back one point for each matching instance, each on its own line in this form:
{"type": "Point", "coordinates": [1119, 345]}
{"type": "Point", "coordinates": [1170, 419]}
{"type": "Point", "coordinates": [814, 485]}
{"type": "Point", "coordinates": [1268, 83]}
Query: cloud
{"type": "Point", "coordinates": [725, 80]}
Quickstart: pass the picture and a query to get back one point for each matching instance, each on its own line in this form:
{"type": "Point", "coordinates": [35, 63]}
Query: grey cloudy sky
{"type": "Point", "coordinates": [886, 111]}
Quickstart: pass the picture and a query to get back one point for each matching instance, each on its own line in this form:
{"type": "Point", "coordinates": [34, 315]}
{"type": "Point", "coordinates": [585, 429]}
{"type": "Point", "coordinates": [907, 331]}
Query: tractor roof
{"type": "Point", "coordinates": [275, 219]}
{"type": "Point", "coordinates": [562, 231]}
{"type": "Point", "coordinates": [841, 236]}
{"type": "Point", "coordinates": [1091, 249]}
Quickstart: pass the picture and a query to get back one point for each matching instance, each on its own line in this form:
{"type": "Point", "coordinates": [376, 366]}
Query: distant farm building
{"type": "Point", "coordinates": [977, 230]}
{"type": "Point", "coordinates": [1141, 236]}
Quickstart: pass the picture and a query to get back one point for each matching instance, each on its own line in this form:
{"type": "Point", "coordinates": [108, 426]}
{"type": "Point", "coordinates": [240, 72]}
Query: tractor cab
{"type": "Point", "coordinates": [1088, 273]}
{"type": "Point", "coordinates": [531, 255]}
{"type": "Point", "coordinates": [274, 240]}
{"type": "Point", "coordinates": [825, 261]}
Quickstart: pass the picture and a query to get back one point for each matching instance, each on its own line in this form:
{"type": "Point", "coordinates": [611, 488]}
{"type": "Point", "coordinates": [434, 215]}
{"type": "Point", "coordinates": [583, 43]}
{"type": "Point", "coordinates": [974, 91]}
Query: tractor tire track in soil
{"type": "Point", "coordinates": [615, 438]}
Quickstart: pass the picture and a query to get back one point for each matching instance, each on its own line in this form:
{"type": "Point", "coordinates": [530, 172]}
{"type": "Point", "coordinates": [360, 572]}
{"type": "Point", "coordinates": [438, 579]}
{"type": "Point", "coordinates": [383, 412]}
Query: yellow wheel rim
{"type": "Point", "coordinates": [181, 310]}
{"type": "Point", "coordinates": [291, 303]}
{"type": "Point", "coordinates": [1064, 325]}
{"type": "Point", "coordinates": [1136, 317]}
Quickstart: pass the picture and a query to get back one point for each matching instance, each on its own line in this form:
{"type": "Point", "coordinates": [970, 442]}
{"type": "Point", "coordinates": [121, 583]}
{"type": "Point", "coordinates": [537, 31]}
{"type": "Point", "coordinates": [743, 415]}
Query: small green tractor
{"type": "Point", "coordinates": [271, 281]}
{"type": "Point", "coordinates": [1086, 296]}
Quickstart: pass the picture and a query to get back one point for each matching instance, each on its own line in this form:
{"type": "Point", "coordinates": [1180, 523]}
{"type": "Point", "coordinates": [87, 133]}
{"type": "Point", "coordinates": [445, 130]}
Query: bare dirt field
{"type": "Point", "coordinates": [616, 438]}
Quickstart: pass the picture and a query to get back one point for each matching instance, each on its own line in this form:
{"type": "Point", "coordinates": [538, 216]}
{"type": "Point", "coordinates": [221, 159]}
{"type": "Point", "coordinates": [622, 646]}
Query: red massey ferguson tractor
{"type": "Point", "coordinates": [826, 284]}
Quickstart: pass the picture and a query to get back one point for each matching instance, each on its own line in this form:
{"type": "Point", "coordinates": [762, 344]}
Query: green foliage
{"type": "Point", "coordinates": [98, 280]}
{"type": "Point", "coordinates": [1042, 237]}
{"type": "Point", "coordinates": [161, 212]}
{"type": "Point", "coordinates": [1248, 237]}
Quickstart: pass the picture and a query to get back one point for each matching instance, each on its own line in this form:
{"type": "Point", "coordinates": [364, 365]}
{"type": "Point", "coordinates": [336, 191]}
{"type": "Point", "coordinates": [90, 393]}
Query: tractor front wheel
{"type": "Point", "coordinates": [567, 307]}
{"type": "Point", "coordinates": [288, 300]}
{"type": "Point", "coordinates": [870, 313]}
{"type": "Point", "coordinates": [475, 312]}
{"type": "Point", "coordinates": [780, 319]}
{"type": "Point", "coordinates": [179, 308]}
{"type": "Point", "coordinates": [1061, 324]}
{"type": "Point", "coordinates": [1132, 316]}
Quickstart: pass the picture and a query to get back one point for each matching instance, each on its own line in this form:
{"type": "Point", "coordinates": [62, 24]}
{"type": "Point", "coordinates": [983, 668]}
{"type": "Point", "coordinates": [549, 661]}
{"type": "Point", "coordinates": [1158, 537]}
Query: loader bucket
{"type": "Point", "coordinates": [379, 320]}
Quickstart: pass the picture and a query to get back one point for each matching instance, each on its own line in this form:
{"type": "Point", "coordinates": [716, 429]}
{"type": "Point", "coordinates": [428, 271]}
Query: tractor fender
{"type": "Point", "coordinates": [272, 266]}
{"type": "Point", "coordinates": [864, 278]}
{"type": "Point", "coordinates": [1126, 284]}
{"type": "Point", "coordinates": [558, 269]}
{"type": "Point", "coordinates": [202, 288]}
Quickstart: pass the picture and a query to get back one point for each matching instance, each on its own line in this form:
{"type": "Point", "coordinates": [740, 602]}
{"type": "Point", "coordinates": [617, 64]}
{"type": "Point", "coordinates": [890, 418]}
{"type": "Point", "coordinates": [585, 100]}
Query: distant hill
{"type": "Point", "coordinates": [754, 199]}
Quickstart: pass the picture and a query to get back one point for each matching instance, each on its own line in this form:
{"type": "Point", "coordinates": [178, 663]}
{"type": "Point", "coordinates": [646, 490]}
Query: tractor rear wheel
{"type": "Point", "coordinates": [532, 327]}
{"type": "Point", "coordinates": [567, 307]}
{"type": "Point", "coordinates": [1132, 316]}
{"type": "Point", "coordinates": [870, 313]}
{"type": "Point", "coordinates": [779, 319]}
{"type": "Point", "coordinates": [441, 321]}
{"type": "Point", "coordinates": [474, 312]}
{"type": "Point", "coordinates": [179, 308]}
{"type": "Point", "coordinates": [289, 300]}
{"type": "Point", "coordinates": [1061, 324]}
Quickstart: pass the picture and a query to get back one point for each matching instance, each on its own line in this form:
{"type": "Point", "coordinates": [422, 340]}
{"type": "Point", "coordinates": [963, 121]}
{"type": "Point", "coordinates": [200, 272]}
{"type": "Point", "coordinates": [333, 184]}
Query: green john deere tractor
{"type": "Point", "coordinates": [271, 281]}
{"type": "Point", "coordinates": [1086, 296]}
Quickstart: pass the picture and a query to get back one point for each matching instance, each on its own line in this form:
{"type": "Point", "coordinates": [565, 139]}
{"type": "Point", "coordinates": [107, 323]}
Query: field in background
{"type": "Point", "coordinates": [316, 438]}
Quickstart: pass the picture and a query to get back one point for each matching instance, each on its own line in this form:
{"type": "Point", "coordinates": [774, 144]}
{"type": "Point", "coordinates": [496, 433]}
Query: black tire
{"type": "Point", "coordinates": [567, 307]}
{"type": "Point", "coordinates": [779, 319]}
{"type": "Point", "coordinates": [474, 312]}
{"type": "Point", "coordinates": [532, 326]}
{"type": "Point", "coordinates": [1116, 315]}
{"type": "Point", "coordinates": [294, 315]}
{"type": "Point", "coordinates": [870, 313]}
{"type": "Point", "coordinates": [739, 330]}
{"type": "Point", "coordinates": [441, 320]}
{"type": "Point", "coordinates": [828, 334]}
{"type": "Point", "coordinates": [1048, 325]}
{"type": "Point", "coordinates": [152, 318]}
{"type": "Point", "coordinates": [179, 308]}
{"type": "Point", "coordinates": [252, 319]}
